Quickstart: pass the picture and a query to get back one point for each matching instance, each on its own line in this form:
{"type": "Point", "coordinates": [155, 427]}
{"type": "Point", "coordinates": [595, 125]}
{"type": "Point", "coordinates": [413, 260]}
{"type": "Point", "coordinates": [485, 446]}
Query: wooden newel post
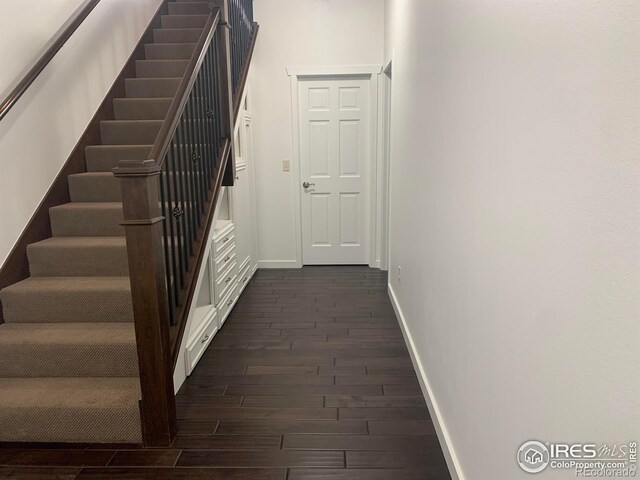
{"type": "Point", "coordinates": [143, 230]}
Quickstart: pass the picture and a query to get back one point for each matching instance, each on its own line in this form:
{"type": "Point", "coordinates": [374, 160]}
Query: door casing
{"type": "Point", "coordinates": [371, 72]}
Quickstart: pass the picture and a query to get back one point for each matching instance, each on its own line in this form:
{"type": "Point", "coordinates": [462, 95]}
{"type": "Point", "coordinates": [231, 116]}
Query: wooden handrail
{"type": "Point", "coordinates": [55, 44]}
{"type": "Point", "coordinates": [163, 140]}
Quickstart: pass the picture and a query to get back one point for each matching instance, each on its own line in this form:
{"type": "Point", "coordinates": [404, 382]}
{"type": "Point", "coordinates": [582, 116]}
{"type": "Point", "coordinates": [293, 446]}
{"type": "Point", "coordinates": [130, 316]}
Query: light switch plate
{"type": "Point", "coordinates": [286, 166]}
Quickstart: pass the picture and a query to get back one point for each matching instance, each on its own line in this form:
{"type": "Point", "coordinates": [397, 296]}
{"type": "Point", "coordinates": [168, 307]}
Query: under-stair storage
{"type": "Point", "coordinates": [233, 244]}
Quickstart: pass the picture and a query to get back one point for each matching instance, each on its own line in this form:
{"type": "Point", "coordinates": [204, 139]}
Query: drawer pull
{"type": "Point", "coordinates": [226, 239]}
{"type": "Point", "coordinates": [245, 279]}
{"type": "Point", "coordinates": [227, 259]}
{"type": "Point", "coordinates": [206, 337]}
{"type": "Point", "coordinates": [230, 302]}
{"type": "Point", "coordinates": [227, 280]}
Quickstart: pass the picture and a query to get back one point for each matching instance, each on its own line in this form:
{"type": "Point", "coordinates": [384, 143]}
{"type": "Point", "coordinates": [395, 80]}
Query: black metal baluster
{"type": "Point", "coordinates": [177, 213]}
{"type": "Point", "coordinates": [200, 150]}
{"type": "Point", "coordinates": [214, 96]}
{"type": "Point", "coordinates": [182, 164]}
{"type": "Point", "coordinates": [196, 180]}
{"type": "Point", "coordinates": [209, 123]}
{"type": "Point", "coordinates": [201, 111]}
{"type": "Point", "coordinates": [173, 232]}
{"type": "Point", "coordinates": [161, 180]}
{"type": "Point", "coordinates": [217, 93]}
{"type": "Point", "coordinates": [193, 220]}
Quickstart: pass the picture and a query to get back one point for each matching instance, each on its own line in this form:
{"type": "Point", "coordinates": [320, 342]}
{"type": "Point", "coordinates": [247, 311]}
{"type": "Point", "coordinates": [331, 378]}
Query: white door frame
{"type": "Point", "coordinates": [385, 163]}
{"type": "Point", "coordinates": [372, 71]}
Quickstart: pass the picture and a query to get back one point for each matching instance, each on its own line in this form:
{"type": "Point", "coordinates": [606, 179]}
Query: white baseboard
{"type": "Point", "coordinates": [441, 429]}
{"type": "Point", "coordinates": [279, 264]}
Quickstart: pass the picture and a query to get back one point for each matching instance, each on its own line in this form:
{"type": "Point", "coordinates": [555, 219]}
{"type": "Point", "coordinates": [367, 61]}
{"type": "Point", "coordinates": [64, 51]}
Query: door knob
{"type": "Point", "coordinates": [307, 184]}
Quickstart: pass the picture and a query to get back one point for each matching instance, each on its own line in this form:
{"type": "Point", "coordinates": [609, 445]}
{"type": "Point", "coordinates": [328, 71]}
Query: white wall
{"type": "Point", "coordinates": [298, 33]}
{"type": "Point", "coordinates": [39, 133]}
{"type": "Point", "coordinates": [515, 202]}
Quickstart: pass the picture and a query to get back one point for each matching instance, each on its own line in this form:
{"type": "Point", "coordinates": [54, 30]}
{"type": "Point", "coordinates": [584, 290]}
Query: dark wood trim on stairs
{"type": "Point", "coordinates": [143, 230]}
{"type": "Point", "coordinates": [224, 54]}
{"type": "Point", "coordinates": [16, 266]}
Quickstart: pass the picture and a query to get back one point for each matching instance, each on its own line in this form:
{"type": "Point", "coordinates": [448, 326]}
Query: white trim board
{"type": "Point", "coordinates": [305, 72]}
{"type": "Point", "coordinates": [317, 71]}
{"type": "Point", "coordinates": [279, 264]}
{"type": "Point", "coordinates": [441, 430]}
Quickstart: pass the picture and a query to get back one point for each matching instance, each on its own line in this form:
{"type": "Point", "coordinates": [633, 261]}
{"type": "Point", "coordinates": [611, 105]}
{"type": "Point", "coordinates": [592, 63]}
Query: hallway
{"type": "Point", "coordinates": [308, 379]}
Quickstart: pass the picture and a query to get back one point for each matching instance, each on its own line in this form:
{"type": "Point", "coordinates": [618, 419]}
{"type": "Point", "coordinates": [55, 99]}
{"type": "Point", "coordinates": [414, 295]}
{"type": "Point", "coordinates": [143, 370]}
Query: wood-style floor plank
{"type": "Point", "coordinates": [145, 458]}
{"type": "Point", "coordinates": [38, 473]}
{"type": "Point", "coordinates": [261, 426]}
{"type": "Point", "coordinates": [136, 473]}
{"type": "Point", "coordinates": [269, 458]}
{"type": "Point", "coordinates": [55, 458]}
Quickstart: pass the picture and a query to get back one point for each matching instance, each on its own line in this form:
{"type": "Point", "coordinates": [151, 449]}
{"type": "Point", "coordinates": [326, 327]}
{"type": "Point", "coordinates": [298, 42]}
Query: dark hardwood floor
{"type": "Point", "coordinates": [308, 379]}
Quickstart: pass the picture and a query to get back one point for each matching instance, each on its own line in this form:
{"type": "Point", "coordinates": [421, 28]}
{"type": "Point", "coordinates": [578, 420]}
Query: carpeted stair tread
{"type": "Point", "coordinates": [188, 8]}
{"type": "Point", "coordinates": [151, 87]}
{"type": "Point", "coordinates": [68, 350]}
{"type": "Point", "coordinates": [94, 187]}
{"type": "Point", "coordinates": [78, 257]}
{"type": "Point", "coordinates": [99, 410]}
{"type": "Point", "coordinates": [68, 300]}
{"type": "Point", "coordinates": [129, 132]}
{"type": "Point", "coordinates": [102, 158]}
{"type": "Point", "coordinates": [90, 219]}
{"type": "Point", "coordinates": [177, 35]}
{"type": "Point", "coordinates": [169, 51]}
{"type": "Point", "coordinates": [161, 68]}
{"type": "Point", "coordinates": [141, 108]}
{"type": "Point", "coordinates": [184, 21]}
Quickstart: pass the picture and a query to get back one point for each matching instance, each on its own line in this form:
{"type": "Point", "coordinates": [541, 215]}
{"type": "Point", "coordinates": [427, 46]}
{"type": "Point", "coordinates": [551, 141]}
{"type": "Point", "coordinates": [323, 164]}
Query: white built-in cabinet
{"type": "Point", "coordinates": [232, 258]}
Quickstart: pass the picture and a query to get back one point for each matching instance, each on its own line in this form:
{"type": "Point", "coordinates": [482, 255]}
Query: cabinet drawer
{"type": "Point", "coordinates": [226, 305]}
{"type": "Point", "coordinates": [200, 342]}
{"type": "Point", "coordinates": [243, 277]}
{"type": "Point", "coordinates": [226, 258]}
{"type": "Point", "coordinates": [225, 281]}
{"type": "Point", "coordinates": [223, 242]}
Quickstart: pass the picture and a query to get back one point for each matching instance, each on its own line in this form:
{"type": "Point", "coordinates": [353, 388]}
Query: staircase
{"type": "Point", "coordinates": [68, 353]}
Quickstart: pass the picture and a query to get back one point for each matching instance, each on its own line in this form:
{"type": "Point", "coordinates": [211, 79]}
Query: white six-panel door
{"type": "Point", "coordinates": [334, 131]}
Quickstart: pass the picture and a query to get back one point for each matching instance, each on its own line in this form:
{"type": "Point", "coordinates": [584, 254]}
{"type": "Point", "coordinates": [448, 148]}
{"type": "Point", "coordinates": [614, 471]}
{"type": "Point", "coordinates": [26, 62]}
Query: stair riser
{"type": "Point", "coordinates": [104, 158]}
{"type": "Point", "coordinates": [94, 188]}
{"type": "Point", "coordinates": [50, 361]}
{"type": "Point", "coordinates": [177, 35]}
{"type": "Point", "coordinates": [161, 68]}
{"type": "Point", "coordinates": [176, 51]}
{"type": "Point", "coordinates": [66, 306]}
{"type": "Point", "coordinates": [184, 21]}
{"type": "Point", "coordinates": [88, 425]}
{"type": "Point", "coordinates": [86, 223]}
{"type": "Point", "coordinates": [141, 109]}
{"type": "Point", "coordinates": [186, 8]}
{"type": "Point", "coordinates": [151, 88]}
{"type": "Point", "coordinates": [133, 132]}
{"type": "Point", "coordinates": [78, 262]}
